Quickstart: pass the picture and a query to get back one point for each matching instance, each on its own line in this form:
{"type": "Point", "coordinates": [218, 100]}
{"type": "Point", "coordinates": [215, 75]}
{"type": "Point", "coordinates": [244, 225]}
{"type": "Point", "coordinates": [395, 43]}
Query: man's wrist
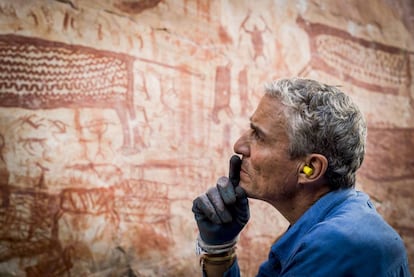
{"type": "Point", "coordinates": [221, 258]}
{"type": "Point", "coordinates": [204, 248]}
{"type": "Point", "coordinates": [217, 264]}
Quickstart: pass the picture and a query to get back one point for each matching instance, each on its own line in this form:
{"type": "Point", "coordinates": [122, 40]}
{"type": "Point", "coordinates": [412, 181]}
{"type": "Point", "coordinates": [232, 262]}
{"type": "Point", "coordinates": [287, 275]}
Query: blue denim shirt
{"type": "Point", "coordinates": [340, 235]}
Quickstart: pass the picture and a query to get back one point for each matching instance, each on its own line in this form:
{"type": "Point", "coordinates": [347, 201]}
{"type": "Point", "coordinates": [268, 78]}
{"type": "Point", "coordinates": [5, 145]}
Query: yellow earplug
{"type": "Point", "coordinates": [307, 170]}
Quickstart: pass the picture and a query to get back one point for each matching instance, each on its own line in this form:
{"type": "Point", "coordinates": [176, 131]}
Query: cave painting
{"type": "Point", "coordinates": [243, 83]}
{"type": "Point", "coordinates": [67, 203]}
{"type": "Point", "coordinates": [338, 53]}
{"type": "Point", "coordinates": [41, 74]}
{"type": "Point", "coordinates": [34, 225]}
{"type": "Point", "coordinates": [60, 208]}
{"type": "Point", "coordinates": [222, 92]}
{"type": "Point", "coordinates": [256, 34]}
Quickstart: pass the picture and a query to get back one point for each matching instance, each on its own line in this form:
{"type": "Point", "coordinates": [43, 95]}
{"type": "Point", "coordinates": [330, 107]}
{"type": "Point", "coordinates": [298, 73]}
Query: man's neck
{"type": "Point", "coordinates": [292, 209]}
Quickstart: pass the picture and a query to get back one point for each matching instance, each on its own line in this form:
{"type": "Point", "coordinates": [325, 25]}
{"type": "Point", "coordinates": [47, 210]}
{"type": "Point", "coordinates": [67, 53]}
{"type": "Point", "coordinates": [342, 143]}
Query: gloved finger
{"type": "Point", "coordinates": [240, 192]}
{"type": "Point", "coordinates": [221, 210]}
{"type": "Point", "coordinates": [226, 190]}
{"type": "Point", "coordinates": [203, 208]}
{"type": "Point", "coordinates": [241, 207]}
{"type": "Point", "coordinates": [242, 211]}
{"type": "Point", "coordinates": [234, 170]}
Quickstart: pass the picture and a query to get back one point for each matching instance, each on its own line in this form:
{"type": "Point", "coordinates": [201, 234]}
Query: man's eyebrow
{"type": "Point", "coordinates": [256, 128]}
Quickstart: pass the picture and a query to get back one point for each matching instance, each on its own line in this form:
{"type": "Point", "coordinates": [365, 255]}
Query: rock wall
{"type": "Point", "coordinates": [115, 114]}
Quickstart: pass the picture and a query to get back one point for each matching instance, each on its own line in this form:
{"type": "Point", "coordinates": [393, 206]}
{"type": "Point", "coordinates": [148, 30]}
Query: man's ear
{"type": "Point", "coordinates": [313, 168]}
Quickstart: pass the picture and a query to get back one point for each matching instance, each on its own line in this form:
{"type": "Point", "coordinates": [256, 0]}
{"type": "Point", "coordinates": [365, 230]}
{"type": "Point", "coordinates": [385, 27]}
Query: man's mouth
{"type": "Point", "coordinates": [243, 172]}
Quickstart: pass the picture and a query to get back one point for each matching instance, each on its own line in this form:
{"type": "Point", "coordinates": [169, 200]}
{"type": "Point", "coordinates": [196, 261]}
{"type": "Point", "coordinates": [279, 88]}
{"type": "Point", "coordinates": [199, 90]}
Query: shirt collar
{"type": "Point", "coordinates": [316, 213]}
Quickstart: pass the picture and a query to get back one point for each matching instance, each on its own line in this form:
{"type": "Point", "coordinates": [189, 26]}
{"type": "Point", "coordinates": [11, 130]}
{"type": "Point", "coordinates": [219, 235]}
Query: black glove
{"type": "Point", "coordinates": [223, 211]}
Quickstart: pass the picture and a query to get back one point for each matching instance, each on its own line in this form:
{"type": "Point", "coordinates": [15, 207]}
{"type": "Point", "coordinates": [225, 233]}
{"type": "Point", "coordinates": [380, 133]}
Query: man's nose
{"type": "Point", "coordinates": [241, 146]}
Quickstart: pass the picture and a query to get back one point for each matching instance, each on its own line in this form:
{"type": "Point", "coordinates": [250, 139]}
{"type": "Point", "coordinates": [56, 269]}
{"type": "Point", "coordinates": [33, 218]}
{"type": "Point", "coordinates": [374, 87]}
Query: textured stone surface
{"type": "Point", "coordinates": [388, 176]}
{"type": "Point", "coordinates": [115, 114]}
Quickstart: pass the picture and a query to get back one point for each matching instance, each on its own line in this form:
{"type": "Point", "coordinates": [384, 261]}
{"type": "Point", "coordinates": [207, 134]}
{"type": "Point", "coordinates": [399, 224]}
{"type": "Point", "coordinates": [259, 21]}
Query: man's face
{"type": "Point", "coordinates": [267, 172]}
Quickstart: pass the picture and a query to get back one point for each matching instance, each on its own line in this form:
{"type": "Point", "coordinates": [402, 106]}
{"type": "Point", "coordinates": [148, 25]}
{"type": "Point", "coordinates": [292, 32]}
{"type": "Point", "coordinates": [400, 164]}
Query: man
{"type": "Point", "coordinates": [305, 144]}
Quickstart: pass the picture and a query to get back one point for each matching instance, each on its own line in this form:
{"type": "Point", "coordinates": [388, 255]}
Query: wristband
{"type": "Point", "coordinates": [214, 263]}
{"type": "Point", "coordinates": [204, 248]}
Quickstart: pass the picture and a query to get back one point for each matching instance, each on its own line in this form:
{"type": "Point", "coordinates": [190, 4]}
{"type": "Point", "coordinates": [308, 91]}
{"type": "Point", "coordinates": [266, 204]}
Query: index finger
{"type": "Point", "coordinates": [234, 170]}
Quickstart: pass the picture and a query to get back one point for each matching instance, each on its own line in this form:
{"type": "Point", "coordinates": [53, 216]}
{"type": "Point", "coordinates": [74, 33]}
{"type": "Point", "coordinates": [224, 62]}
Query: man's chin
{"type": "Point", "coordinates": [246, 190]}
{"type": "Point", "coordinates": [251, 196]}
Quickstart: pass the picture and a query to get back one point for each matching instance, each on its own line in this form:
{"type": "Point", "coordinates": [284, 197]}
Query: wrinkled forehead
{"type": "Point", "coordinates": [270, 114]}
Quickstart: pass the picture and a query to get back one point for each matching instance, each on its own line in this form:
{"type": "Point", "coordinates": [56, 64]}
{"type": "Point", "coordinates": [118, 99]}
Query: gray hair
{"type": "Point", "coordinates": [323, 120]}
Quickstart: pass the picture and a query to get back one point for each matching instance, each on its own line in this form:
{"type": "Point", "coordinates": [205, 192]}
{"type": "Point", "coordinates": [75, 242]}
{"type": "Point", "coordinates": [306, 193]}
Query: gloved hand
{"type": "Point", "coordinates": [223, 211]}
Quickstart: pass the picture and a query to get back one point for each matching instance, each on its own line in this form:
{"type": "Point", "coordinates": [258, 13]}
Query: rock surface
{"type": "Point", "coordinates": [115, 114]}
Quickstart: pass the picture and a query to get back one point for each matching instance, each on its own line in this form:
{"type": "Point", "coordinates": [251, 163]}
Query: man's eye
{"type": "Point", "coordinates": [256, 134]}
